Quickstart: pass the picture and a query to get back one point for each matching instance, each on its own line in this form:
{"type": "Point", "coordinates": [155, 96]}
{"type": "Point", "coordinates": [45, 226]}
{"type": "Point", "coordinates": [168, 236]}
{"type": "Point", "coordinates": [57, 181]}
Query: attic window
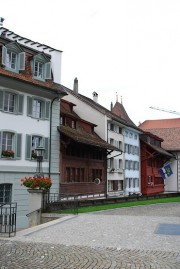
{"type": "Point", "coordinates": [73, 124]}
{"type": "Point", "coordinates": [13, 58]}
{"type": "Point", "coordinates": [41, 67]}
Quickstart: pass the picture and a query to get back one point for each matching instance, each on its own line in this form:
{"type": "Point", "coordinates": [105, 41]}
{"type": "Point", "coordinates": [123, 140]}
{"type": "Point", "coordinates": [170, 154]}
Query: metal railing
{"type": "Point", "coordinates": [54, 201]}
{"type": "Point", "coordinates": [8, 213]}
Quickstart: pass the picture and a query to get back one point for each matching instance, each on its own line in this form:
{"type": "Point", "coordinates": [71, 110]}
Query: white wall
{"type": "Point", "coordinates": [90, 114]}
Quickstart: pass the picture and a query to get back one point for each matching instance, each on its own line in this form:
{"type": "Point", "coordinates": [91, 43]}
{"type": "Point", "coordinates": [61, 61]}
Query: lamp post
{"type": "Point", "coordinates": [39, 152]}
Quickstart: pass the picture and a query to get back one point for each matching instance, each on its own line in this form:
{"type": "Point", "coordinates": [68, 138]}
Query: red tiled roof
{"type": "Point", "coordinates": [168, 130]}
{"type": "Point", "coordinates": [50, 85]}
{"type": "Point", "coordinates": [164, 123]}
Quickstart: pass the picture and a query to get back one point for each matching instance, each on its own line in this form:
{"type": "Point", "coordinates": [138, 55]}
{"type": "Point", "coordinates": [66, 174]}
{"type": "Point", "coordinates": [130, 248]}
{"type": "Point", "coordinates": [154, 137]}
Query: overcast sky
{"type": "Point", "coordinates": [128, 47]}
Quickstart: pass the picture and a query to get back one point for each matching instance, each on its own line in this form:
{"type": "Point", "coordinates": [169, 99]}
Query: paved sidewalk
{"type": "Point", "coordinates": [121, 238]}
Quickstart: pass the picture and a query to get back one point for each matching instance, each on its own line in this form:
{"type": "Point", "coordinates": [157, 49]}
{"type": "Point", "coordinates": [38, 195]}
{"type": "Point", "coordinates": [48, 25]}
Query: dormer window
{"type": "Point", "coordinates": [13, 58]}
{"type": "Point", "coordinates": [41, 67]}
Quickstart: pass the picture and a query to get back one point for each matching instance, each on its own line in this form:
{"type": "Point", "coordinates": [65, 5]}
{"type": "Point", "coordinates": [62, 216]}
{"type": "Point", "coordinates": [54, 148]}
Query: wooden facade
{"type": "Point", "coordinates": [153, 157]}
{"type": "Point", "coordinates": [83, 155]}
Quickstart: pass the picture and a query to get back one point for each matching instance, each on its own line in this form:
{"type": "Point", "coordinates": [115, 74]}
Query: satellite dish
{"type": "Point", "coordinates": [97, 181]}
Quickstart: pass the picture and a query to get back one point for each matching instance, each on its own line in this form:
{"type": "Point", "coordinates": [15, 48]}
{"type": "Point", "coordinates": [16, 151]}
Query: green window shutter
{"type": "Point", "coordinates": [46, 146]}
{"type": "Point", "coordinates": [47, 110]}
{"type": "Point", "coordinates": [4, 53]}
{"type": "Point", "coordinates": [29, 106]}
{"type": "Point", "coordinates": [42, 110]}
{"type": "Point", "coordinates": [0, 144]}
{"type": "Point", "coordinates": [28, 147]}
{"type": "Point", "coordinates": [18, 139]}
{"type": "Point", "coordinates": [20, 99]}
{"type": "Point", "coordinates": [21, 61]}
{"type": "Point", "coordinates": [47, 70]}
{"type": "Point", "coordinates": [1, 100]}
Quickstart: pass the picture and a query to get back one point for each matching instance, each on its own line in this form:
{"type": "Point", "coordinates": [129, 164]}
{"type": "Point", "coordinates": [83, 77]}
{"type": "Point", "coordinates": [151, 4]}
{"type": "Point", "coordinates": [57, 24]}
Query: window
{"type": "Point", "coordinates": [111, 127]}
{"type": "Point", "coordinates": [11, 102]}
{"type": "Point", "coordinates": [41, 67]}
{"type": "Point", "coordinates": [38, 70]}
{"type": "Point", "coordinates": [10, 145]}
{"type": "Point", "coordinates": [120, 164]}
{"type": "Point", "coordinates": [5, 193]}
{"type": "Point", "coordinates": [126, 164]}
{"type": "Point", "coordinates": [34, 141]}
{"type": "Point", "coordinates": [73, 124]}
{"type": "Point", "coordinates": [37, 108]}
{"type": "Point", "coordinates": [111, 141]}
{"type": "Point", "coordinates": [13, 58]}
{"type": "Point", "coordinates": [126, 148]}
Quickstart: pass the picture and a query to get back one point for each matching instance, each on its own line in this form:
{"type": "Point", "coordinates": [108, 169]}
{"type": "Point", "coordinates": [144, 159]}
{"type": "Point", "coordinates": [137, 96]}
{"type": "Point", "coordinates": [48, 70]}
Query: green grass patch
{"type": "Point", "coordinates": [122, 204]}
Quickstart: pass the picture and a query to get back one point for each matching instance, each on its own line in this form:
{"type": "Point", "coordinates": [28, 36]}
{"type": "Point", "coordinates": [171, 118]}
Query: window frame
{"type": "Point", "coordinates": [16, 144]}
{"type": "Point", "coordinates": [18, 102]}
{"type": "Point", "coordinates": [45, 108]}
{"type": "Point", "coordinates": [44, 62]}
{"type": "Point", "coordinates": [30, 149]}
{"type": "Point", "coordinates": [3, 191]}
{"type": "Point", "coordinates": [10, 49]}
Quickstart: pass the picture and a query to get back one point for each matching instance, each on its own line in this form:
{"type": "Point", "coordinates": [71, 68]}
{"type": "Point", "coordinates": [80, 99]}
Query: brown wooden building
{"type": "Point", "coordinates": [83, 155]}
{"type": "Point", "coordinates": [153, 157]}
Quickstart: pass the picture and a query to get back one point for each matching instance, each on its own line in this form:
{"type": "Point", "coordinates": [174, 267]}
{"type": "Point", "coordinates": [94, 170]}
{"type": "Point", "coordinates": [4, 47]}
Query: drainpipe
{"type": "Point", "coordinates": [51, 132]}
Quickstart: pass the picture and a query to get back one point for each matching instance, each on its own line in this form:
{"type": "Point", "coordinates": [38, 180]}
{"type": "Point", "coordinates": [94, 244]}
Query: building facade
{"type": "Point", "coordinates": [29, 116]}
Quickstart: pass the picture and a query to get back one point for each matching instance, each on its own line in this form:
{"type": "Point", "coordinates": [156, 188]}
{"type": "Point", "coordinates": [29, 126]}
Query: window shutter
{"type": "Point", "coordinates": [28, 147]}
{"type": "Point", "coordinates": [47, 70]}
{"type": "Point", "coordinates": [29, 106]}
{"type": "Point", "coordinates": [115, 163]}
{"type": "Point", "coordinates": [0, 144]}
{"type": "Point", "coordinates": [46, 146]}
{"type": "Point", "coordinates": [21, 61]}
{"type": "Point", "coordinates": [47, 109]}
{"type": "Point", "coordinates": [4, 53]}
{"type": "Point", "coordinates": [18, 140]}
{"type": "Point", "coordinates": [20, 99]}
{"type": "Point", "coordinates": [1, 100]}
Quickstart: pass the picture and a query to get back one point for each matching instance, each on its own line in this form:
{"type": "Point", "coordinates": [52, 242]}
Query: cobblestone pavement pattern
{"type": "Point", "coordinates": [114, 239]}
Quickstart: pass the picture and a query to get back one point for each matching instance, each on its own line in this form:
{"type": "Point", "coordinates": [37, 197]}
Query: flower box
{"type": "Point", "coordinates": [39, 183]}
{"type": "Point", "coordinates": [7, 153]}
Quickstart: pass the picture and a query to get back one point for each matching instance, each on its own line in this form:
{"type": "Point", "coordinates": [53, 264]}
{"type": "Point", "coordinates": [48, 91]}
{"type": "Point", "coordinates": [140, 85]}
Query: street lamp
{"type": "Point", "coordinates": [40, 153]}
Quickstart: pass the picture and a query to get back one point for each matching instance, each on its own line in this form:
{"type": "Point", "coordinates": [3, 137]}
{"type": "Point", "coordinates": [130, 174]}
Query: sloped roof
{"type": "Point", "coordinates": [28, 79]}
{"type": "Point", "coordinates": [168, 130]}
{"type": "Point", "coordinates": [80, 136]}
{"type": "Point", "coordinates": [158, 149]}
{"type": "Point", "coordinates": [159, 124]}
{"type": "Point", "coordinates": [120, 111]}
{"type": "Point", "coordinates": [102, 109]}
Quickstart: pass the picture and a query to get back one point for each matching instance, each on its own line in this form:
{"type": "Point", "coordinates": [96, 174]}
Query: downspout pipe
{"type": "Point", "coordinates": [55, 98]}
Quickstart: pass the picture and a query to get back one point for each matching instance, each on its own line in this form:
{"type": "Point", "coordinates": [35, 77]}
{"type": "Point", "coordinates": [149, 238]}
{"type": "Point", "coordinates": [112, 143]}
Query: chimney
{"type": "Point", "coordinates": [75, 88]}
{"type": "Point", "coordinates": [111, 107]}
{"type": "Point", "coordinates": [1, 21]}
{"type": "Point", "coordinates": [95, 97]}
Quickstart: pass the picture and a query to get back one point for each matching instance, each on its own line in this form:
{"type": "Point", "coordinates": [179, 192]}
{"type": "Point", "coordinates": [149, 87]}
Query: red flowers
{"type": "Point", "coordinates": [43, 183]}
{"type": "Point", "coordinates": [7, 153]}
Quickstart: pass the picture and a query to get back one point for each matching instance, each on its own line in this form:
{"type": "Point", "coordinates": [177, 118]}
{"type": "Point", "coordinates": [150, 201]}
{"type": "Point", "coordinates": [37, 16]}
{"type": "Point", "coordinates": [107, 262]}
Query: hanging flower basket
{"type": "Point", "coordinates": [7, 153]}
{"type": "Point", "coordinates": [41, 183]}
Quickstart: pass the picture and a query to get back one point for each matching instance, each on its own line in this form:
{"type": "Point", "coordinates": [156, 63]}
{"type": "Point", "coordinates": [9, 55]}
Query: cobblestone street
{"type": "Point", "coordinates": [120, 238]}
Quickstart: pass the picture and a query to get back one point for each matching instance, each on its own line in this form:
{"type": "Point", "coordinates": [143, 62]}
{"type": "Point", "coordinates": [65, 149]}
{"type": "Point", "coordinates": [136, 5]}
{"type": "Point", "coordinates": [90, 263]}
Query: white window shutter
{"type": "Point", "coordinates": [21, 61]}
{"type": "Point", "coordinates": [47, 70]}
{"type": "Point", "coordinates": [4, 55]}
